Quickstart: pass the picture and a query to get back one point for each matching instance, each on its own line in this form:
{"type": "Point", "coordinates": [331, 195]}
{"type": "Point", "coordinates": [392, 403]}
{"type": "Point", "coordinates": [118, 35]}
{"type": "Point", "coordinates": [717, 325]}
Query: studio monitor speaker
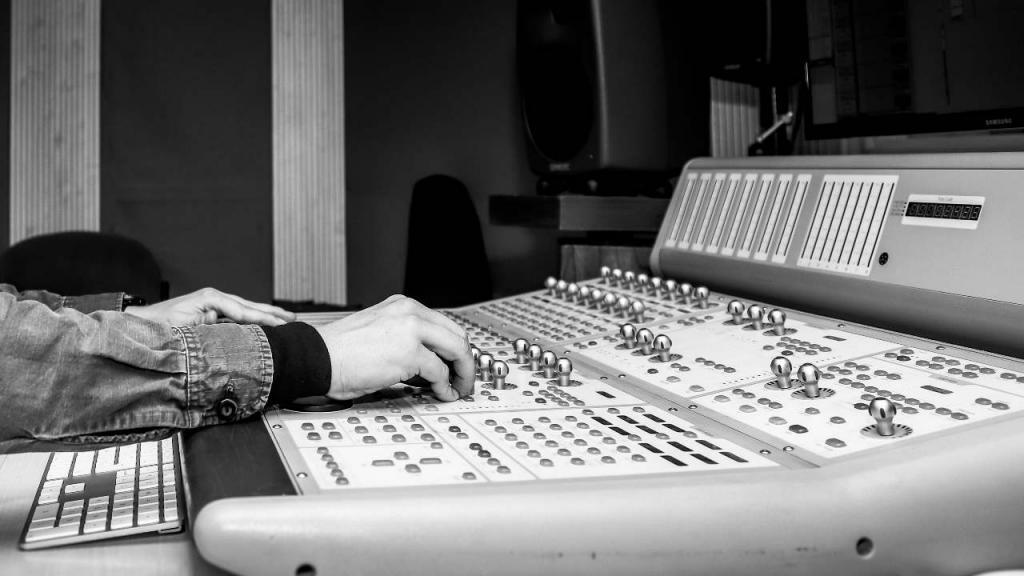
{"type": "Point", "coordinates": [607, 85]}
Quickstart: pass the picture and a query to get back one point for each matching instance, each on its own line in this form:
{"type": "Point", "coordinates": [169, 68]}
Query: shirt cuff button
{"type": "Point", "coordinates": [227, 408]}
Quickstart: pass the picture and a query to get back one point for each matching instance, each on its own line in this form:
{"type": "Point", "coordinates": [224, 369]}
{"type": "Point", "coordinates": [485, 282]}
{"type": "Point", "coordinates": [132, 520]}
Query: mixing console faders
{"type": "Point", "coordinates": [817, 388]}
{"type": "Point", "coordinates": [542, 423]}
{"type": "Point", "coordinates": [811, 379]}
{"type": "Point", "coordinates": [565, 311]}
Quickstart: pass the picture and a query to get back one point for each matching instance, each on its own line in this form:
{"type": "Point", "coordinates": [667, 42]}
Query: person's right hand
{"type": "Point", "coordinates": [395, 341]}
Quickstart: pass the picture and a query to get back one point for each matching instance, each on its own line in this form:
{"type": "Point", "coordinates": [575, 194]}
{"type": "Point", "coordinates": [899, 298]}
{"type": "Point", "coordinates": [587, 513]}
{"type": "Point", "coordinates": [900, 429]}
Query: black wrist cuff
{"type": "Point", "coordinates": [302, 365]}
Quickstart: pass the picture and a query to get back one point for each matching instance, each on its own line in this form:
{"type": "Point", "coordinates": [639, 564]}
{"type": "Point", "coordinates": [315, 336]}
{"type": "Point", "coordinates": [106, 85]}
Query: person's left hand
{"type": "Point", "coordinates": [209, 305]}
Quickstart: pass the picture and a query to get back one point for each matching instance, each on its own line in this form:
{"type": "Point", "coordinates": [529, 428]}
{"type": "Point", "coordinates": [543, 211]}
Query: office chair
{"type": "Point", "coordinates": [446, 262]}
{"type": "Point", "coordinates": [75, 263]}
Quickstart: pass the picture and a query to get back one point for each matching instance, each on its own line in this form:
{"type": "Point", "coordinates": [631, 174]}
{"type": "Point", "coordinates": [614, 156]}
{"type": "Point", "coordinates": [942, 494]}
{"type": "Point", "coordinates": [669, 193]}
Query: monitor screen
{"type": "Point", "coordinates": [878, 67]}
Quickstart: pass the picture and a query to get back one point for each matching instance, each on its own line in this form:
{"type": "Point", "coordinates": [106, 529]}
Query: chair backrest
{"type": "Point", "coordinates": [75, 263]}
{"type": "Point", "coordinates": [446, 262]}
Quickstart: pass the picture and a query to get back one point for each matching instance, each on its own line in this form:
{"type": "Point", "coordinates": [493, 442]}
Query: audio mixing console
{"type": "Point", "coordinates": [643, 423]}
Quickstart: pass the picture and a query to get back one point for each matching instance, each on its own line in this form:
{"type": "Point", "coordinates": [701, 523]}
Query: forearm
{"type": "Point", "coordinates": [65, 374]}
{"type": "Point", "coordinates": [85, 304]}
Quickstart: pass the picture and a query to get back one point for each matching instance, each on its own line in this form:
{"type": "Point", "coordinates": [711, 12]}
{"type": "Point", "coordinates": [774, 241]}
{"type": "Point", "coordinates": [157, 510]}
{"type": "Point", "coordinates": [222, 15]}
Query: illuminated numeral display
{"type": "Point", "coordinates": [943, 211]}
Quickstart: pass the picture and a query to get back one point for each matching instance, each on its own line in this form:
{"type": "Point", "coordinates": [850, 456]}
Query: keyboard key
{"type": "Point", "coordinates": [83, 463]}
{"type": "Point", "coordinates": [51, 533]}
{"type": "Point", "coordinates": [171, 514]}
{"type": "Point", "coordinates": [127, 457]}
{"type": "Point", "coordinates": [45, 523]}
{"type": "Point", "coordinates": [74, 488]}
{"type": "Point", "coordinates": [48, 511]}
{"type": "Point", "coordinates": [50, 492]}
{"type": "Point", "coordinates": [105, 460]}
{"type": "Point", "coordinates": [146, 518]}
{"type": "Point", "coordinates": [166, 450]}
{"type": "Point", "coordinates": [92, 526]}
{"type": "Point", "coordinates": [72, 518]}
{"type": "Point", "coordinates": [119, 522]}
{"type": "Point", "coordinates": [148, 454]}
{"type": "Point", "coordinates": [60, 465]}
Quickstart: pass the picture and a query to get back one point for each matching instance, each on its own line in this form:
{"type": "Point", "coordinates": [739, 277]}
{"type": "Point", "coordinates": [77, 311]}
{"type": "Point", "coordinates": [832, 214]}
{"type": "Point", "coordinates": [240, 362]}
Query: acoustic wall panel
{"type": "Point", "coordinates": [309, 151]}
{"type": "Point", "coordinates": [55, 87]}
{"type": "Point", "coordinates": [5, 124]}
{"type": "Point", "coordinates": [734, 118]}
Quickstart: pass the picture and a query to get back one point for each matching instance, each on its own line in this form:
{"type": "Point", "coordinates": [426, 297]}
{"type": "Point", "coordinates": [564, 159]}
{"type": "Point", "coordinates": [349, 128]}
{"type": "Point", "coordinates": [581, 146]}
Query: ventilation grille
{"type": "Point", "coordinates": [739, 215]}
{"type": "Point", "coordinates": [847, 223]}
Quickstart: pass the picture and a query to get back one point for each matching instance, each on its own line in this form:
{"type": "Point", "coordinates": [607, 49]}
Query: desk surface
{"type": "Point", "coordinates": [145, 554]}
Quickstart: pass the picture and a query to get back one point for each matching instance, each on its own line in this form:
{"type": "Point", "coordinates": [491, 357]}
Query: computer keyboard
{"type": "Point", "coordinates": [108, 493]}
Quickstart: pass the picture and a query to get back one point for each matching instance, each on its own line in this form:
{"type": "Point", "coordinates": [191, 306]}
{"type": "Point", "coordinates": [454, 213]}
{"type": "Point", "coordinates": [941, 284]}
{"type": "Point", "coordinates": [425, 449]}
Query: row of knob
{"type": "Point", "coordinates": [881, 409]}
{"type": "Point", "coordinates": [611, 302]}
{"type": "Point", "coordinates": [758, 317]}
{"type": "Point", "coordinates": [652, 285]}
{"type": "Point", "coordinates": [530, 356]}
{"type": "Point", "coordinates": [648, 343]}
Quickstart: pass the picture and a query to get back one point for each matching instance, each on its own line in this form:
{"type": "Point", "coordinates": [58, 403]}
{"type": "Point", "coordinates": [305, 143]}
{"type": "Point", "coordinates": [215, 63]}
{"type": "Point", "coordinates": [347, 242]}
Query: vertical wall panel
{"type": "Point", "coordinates": [55, 151]}
{"type": "Point", "coordinates": [734, 118]}
{"type": "Point", "coordinates": [5, 122]}
{"type": "Point", "coordinates": [309, 151]}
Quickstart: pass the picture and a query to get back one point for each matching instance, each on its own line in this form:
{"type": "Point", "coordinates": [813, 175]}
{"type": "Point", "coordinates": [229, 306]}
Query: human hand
{"type": "Point", "coordinates": [396, 341]}
{"type": "Point", "coordinates": [207, 305]}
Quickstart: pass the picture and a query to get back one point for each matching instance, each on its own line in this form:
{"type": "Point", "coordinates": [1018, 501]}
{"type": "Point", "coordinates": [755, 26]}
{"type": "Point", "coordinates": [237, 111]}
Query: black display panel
{"type": "Point", "coordinates": [878, 67]}
{"type": "Point", "coordinates": [945, 211]}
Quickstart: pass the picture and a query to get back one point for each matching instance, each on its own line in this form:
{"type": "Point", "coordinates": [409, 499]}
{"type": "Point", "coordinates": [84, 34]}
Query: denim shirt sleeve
{"type": "Point", "coordinates": [107, 376]}
{"type": "Point", "coordinates": [87, 303]}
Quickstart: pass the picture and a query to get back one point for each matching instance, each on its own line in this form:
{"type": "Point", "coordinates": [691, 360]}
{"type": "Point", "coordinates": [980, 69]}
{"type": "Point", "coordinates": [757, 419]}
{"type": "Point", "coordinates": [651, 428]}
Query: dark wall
{"type": "Point", "coordinates": [430, 88]}
{"type": "Point", "coordinates": [186, 158]}
{"type": "Point", "coordinates": [5, 123]}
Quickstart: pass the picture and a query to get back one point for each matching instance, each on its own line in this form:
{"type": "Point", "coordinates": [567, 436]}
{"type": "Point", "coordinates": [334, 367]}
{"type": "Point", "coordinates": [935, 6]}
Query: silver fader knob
{"type": "Point", "coordinates": [547, 363]}
{"type": "Point", "coordinates": [754, 312]}
{"type": "Point", "coordinates": [778, 321]}
{"type": "Point", "coordinates": [519, 348]}
{"type": "Point", "coordinates": [882, 410]}
{"type": "Point", "coordinates": [636, 310]}
{"type": "Point", "coordinates": [476, 356]}
{"type": "Point", "coordinates": [483, 367]}
{"type": "Point", "coordinates": [656, 286]}
{"type": "Point", "coordinates": [645, 338]}
{"type": "Point", "coordinates": [596, 296]}
{"type": "Point", "coordinates": [571, 292]}
{"type": "Point", "coordinates": [499, 370]}
{"type": "Point", "coordinates": [550, 284]}
{"type": "Point", "coordinates": [686, 291]}
{"type": "Point", "coordinates": [663, 347]}
{"type": "Point", "coordinates": [564, 369]}
{"type": "Point", "coordinates": [809, 375]}
{"type": "Point", "coordinates": [670, 290]}
{"type": "Point", "coordinates": [702, 293]}
{"type": "Point", "coordinates": [609, 302]}
{"type": "Point", "coordinates": [642, 282]}
{"type": "Point", "coordinates": [584, 297]}
{"type": "Point", "coordinates": [628, 333]}
{"type": "Point", "coordinates": [622, 307]}
{"type": "Point", "coordinates": [560, 287]}
{"type": "Point", "coordinates": [606, 275]}
{"type": "Point", "coordinates": [630, 278]}
{"type": "Point", "coordinates": [782, 368]}
{"type": "Point", "coordinates": [533, 354]}
{"type": "Point", "coordinates": [616, 277]}
{"type": "Point", "coordinates": [736, 309]}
